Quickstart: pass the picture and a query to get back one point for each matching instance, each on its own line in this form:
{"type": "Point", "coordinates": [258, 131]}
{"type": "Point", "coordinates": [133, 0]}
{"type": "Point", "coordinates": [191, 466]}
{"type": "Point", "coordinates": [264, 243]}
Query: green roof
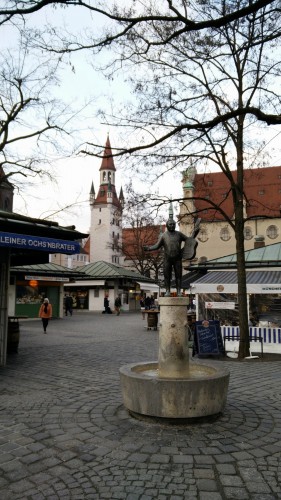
{"type": "Point", "coordinates": [267, 256]}
{"type": "Point", "coordinates": [106, 270]}
{"type": "Point", "coordinates": [47, 270]}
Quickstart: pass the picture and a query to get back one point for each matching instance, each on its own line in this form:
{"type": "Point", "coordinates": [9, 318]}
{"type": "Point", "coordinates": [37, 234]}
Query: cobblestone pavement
{"type": "Point", "coordinates": [65, 434]}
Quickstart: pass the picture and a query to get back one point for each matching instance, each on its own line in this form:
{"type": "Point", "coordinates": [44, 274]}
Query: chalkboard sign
{"type": "Point", "coordinates": [207, 338]}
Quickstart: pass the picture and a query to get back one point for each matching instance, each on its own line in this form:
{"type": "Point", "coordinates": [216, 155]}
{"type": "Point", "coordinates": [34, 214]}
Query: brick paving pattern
{"type": "Point", "coordinates": [65, 434]}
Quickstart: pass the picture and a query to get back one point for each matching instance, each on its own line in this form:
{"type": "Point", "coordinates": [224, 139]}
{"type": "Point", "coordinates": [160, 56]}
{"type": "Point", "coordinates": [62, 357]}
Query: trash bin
{"type": "Point", "coordinates": [13, 335]}
{"type": "Point", "coordinates": [152, 320]}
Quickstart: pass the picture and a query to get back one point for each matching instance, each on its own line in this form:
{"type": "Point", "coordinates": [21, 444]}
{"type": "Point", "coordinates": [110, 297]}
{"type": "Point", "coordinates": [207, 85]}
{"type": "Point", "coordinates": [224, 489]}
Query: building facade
{"type": "Point", "coordinates": [262, 210]}
{"type": "Point", "coordinates": [72, 261]}
{"type": "Point", "coordinates": [106, 214]}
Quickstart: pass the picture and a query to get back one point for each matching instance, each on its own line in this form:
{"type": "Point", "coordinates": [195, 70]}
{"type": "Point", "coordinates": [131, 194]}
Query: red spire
{"type": "Point", "coordinates": [107, 161]}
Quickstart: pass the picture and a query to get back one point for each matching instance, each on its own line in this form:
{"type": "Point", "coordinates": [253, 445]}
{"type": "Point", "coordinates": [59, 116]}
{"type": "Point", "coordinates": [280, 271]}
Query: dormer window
{"type": "Point", "coordinates": [224, 234]}
{"type": "Point", "coordinates": [248, 233]}
{"type": "Point", "coordinates": [272, 232]}
{"type": "Point", "coordinates": [203, 235]}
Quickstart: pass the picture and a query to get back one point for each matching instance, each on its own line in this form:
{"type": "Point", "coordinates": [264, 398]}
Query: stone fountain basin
{"type": "Point", "coordinates": [202, 393]}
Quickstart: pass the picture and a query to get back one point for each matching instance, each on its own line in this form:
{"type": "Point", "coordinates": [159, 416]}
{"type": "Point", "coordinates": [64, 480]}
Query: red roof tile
{"type": "Point", "coordinates": [262, 188]}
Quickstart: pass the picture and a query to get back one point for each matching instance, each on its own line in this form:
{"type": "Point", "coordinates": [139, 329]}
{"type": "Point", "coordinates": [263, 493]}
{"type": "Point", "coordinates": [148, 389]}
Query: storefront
{"type": "Point", "coordinates": [103, 279]}
{"type": "Point", "coordinates": [216, 297]}
{"type": "Point", "coordinates": [25, 240]}
{"type": "Point", "coordinates": [29, 285]}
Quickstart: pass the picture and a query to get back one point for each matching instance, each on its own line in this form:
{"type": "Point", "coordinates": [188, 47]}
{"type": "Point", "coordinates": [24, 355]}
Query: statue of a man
{"type": "Point", "coordinates": [172, 240]}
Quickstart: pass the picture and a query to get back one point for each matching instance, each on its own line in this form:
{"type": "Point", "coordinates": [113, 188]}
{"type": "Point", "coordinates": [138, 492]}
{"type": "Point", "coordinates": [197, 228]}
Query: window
{"type": "Point", "coordinates": [104, 176]}
{"type": "Point", "coordinates": [248, 234]}
{"type": "Point", "coordinates": [261, 192]}
{"type": "Point", "coordinates": [224, 234]}
{"type": "Point", "coordinates": [96, 292]}
{"type": "Point", "coordinates": [203, 235]}
{"type": "Point", "coordinates": [100, 209]}
{"type": "Point", "coordinates": [210, 183]}
{"type": "Point", "coordinates": [99, 221]}
{"type": "Point", "coordinates": [272, 232]}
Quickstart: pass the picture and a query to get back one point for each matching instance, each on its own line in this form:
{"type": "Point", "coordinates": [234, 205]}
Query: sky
{"type": "Point", "coordinates": [74, 175]}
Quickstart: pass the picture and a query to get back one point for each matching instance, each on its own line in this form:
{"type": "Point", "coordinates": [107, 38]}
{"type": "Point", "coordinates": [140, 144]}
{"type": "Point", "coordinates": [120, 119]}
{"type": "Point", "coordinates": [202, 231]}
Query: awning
{"type": "Point", "coordinates": [148, 287]}
{"type": "Point", "coordinates": [260, 281]}
{"type": "Point", "coordinates": [189, 278]}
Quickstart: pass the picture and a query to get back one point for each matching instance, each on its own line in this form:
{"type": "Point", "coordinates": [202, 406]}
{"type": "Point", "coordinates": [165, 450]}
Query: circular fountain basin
{"type": "Point", "coordinates": [201, 393]}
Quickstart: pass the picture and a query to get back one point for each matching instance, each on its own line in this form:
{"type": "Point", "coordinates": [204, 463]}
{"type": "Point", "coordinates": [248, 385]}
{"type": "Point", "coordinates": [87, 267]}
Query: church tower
{"type": "Point", "coordinates": [106, 214]}
{"type": "Point", "coordinates": [187, 207]}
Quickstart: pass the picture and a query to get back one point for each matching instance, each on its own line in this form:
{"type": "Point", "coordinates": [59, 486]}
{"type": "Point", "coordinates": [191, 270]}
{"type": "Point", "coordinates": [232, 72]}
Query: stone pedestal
{"type": "Point", "coordinates": [175, 387]}
{"type": "Point", "coordinates": [173, 355]}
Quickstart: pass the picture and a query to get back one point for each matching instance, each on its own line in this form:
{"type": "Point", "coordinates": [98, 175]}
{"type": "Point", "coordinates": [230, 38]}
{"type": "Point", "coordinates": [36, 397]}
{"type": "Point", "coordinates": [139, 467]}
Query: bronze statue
{"type": "Point", "coordinates": [171, 240]}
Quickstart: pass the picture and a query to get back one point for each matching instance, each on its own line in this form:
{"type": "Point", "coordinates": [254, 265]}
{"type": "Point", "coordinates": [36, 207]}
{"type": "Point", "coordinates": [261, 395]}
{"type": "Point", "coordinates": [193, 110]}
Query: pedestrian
{"type": "Point", "coordinates": [147, 302]}
{"type": "Point", "coordinates": [117, 305]}
{"type": "Point", "coordinates": [107, 309]}
{"type": "Point", "coordinates": [142, 306]}
{"type": "Point", "coordinates": [68, 304]}
{"type": "Point", "coordinates": [45, 313]}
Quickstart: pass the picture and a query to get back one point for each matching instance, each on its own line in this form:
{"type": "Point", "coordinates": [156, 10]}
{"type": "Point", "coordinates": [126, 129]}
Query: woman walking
{"type": "Point", "coordinates": [45, 313]}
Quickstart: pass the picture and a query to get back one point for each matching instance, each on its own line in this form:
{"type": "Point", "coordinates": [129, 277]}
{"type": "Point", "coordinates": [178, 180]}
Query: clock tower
{"type": "Point", "coordinates": [106, 214]}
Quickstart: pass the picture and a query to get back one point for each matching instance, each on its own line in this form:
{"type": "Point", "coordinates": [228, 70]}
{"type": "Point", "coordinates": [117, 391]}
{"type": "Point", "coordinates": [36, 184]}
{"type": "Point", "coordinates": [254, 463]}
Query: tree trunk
{"type": "Point", "coordinates": [238, 195]}
{"type": "Point", "coordinates": [244, 344]}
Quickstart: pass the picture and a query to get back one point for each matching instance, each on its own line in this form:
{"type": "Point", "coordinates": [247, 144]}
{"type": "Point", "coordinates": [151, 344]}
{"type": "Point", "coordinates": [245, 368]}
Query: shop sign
{"type": "Point", "coordinates": [220, 305]}
{"type": "Point", "coordinates": [46, 278]}
{"type": "Point", "coordinates": [13, 240]}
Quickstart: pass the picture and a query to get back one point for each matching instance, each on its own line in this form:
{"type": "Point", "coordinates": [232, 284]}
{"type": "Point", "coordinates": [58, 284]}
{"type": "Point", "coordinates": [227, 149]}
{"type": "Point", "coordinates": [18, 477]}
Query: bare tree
{"type": "Point", "coordinates": [143, 233]}
{"type": "Point", "coordinates": [178, 15]}
{"type": "Point", "coordinates": [34, 126]}
{"type": "Point", "coordinates": [141, 229]}
{"type": "Point", "coordinates": [207, 96]}
{"type": "Point", "coordinates": [206, 81]}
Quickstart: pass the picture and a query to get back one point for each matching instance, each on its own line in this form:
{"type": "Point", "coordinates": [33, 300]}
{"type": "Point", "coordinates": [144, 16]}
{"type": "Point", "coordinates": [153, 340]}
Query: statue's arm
{"type": "Point", "coordinates": [156, 246]}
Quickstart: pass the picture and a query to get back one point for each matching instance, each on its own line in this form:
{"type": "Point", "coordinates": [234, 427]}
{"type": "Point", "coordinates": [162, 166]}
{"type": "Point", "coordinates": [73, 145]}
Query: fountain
{"type": "Point", "coordinates": [175, 387]}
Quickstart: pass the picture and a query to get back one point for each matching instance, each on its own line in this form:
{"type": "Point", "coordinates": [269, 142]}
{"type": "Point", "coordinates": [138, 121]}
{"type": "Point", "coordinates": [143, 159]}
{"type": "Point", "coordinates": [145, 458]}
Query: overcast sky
{"type": "Point", "coordinates": [75, 175]}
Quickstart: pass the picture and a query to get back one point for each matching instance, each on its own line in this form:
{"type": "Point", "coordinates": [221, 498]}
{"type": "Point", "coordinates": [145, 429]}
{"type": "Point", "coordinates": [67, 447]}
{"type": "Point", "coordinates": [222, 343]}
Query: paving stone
{"type": "Point", "coordinates": [206, 485]}
{"type": "Point", "coordinates": [210, 495]}
{"type": "Point", "coordinates": [204, 473]}
{"type": "Point", "coordinates": [65, 434]}
{"type": "Point", "coordinates": [238, 493]}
